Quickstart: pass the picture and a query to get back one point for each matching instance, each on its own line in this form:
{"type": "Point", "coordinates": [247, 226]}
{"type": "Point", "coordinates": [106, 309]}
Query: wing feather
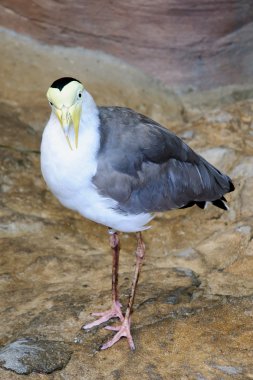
{"type": "Point", "coordinates": [146, 168]}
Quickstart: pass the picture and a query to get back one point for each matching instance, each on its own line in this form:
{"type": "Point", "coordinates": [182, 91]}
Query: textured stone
{"type": "Point", "coordinates": [224, 247]}
{"type": "Point", "coordinates": [28, 355]}
{"type": "Point", "coordinates": [223, 158]}
{"type": "Point", "coordinates": [244, 169]}
{"type": "Point", "coordinates": [246, 200]}
{"type": "Point", "coordinates": [229, 284]}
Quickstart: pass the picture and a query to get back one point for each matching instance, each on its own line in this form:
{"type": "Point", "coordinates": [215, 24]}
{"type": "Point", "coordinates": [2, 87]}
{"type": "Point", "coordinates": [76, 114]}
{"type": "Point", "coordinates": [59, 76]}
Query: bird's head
{"type": "Point", "coordinates": [65, 98]}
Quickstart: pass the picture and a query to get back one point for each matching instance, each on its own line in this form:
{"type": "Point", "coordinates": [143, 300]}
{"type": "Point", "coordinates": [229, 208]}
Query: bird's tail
{"type": "Point", "coordinates": [221, 203]}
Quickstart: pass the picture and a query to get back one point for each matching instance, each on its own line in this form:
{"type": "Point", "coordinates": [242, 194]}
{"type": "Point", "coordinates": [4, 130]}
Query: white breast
{"type": "Point", "coordinates": [68, 174]}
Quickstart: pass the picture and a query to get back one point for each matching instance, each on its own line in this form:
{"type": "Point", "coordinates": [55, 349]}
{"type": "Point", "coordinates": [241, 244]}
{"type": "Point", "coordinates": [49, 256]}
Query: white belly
{"type": "Point", "coordinates": [68, 174]}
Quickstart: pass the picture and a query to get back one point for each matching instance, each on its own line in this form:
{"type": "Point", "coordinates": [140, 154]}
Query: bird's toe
{"type": "Point", "coordinates": [123, 331]}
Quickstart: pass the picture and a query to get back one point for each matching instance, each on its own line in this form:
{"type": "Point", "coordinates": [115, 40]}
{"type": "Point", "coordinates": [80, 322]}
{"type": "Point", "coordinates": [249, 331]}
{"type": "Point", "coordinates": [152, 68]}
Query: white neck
{"type": "Point", "coordinates": [89, 113]}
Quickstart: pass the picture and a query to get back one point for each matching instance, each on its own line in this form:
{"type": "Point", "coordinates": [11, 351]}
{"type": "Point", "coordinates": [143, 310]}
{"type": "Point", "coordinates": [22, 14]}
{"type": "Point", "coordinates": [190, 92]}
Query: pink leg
{"type": "Point", "coordinates": [115, 311]}
{"type": "Point", "coordinates": [124, 329]}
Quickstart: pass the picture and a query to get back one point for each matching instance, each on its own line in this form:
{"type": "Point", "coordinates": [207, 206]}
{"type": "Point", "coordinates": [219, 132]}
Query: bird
{"type": "Point", "coordinates": [119, 168]}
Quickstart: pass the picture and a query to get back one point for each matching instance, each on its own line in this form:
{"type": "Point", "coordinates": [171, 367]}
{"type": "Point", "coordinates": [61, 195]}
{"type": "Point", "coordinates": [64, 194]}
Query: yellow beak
{"type": "Point", "coordinates": [67, 117]}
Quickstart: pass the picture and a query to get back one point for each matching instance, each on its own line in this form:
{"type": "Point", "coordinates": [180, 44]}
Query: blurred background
{"type": "Point", "coordinates": [184, 46]}
{"type": "Point", "coordinates": [188, 44]}
{"type": "Point", "coordinates": [189, 65]}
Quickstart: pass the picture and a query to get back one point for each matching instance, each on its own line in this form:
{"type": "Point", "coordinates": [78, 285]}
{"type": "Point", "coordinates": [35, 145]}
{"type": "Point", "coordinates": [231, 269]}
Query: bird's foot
{"type": "Point", "coordinates": [122, 331]}
{"type": "Point", "coordinates": [114, 312]}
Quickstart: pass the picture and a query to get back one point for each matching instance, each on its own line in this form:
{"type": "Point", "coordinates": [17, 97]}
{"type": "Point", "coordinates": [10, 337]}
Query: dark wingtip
{"type": "Point", "coordinates": [201, 205]}
{"type": "Point", "coordinates": [62, 82]}
{"type": "Point", "coordinates": [189, 204]}
{"type": "Point", "coordinates": [231, 188]}
{"type": "Point", "coordinates": [221, 204]}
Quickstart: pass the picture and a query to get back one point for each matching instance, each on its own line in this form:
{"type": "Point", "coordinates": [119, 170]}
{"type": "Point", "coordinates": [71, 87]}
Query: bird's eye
{"type": "Point", "coordinates": [51, 104]}
{"type": "Point", "coordinates": [79, 95]}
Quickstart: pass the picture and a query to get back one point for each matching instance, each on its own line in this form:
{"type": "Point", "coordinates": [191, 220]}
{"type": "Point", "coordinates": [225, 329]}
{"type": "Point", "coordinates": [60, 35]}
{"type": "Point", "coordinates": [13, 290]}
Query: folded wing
{"type": "Point", "coordinates": [146, 168]}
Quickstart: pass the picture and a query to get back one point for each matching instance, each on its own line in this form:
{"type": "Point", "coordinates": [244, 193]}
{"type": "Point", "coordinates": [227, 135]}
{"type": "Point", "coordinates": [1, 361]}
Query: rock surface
{"type": "Point", "coordinates": [194, 305]}
{"type": "Point", "coordinates": [187, 44]}
{"type": "Point", "coordinates": [25, 356]}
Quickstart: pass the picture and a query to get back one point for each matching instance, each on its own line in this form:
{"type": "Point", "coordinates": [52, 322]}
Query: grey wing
{"type": "Point", "coordinates": [146, 168]}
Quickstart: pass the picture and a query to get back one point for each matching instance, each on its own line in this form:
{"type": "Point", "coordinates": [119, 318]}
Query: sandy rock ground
{"type": "Point", "coordinates": [193, 314]}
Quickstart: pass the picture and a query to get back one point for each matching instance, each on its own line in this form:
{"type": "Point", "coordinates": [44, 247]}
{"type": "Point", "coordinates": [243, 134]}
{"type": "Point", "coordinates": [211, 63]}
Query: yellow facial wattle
{"type": "Point", "coordinates": [67, 105]}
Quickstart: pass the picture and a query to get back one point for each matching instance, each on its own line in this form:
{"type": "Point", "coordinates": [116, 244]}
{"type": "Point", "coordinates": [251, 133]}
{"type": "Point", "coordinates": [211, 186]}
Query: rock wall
{"type": "Point", "coordinates": [188, 44]}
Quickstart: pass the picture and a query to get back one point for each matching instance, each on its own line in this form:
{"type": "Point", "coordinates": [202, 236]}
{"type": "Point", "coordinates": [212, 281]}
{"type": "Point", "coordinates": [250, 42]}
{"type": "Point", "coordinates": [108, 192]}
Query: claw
{"type": "Point", "coordinates": [122, 331]}
{"type": "Point", "coordinates": [114, 312]}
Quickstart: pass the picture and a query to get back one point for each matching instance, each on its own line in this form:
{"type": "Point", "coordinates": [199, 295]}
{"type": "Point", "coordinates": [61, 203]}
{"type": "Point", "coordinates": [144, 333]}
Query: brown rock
{"type": "Point", "coordinates": [111, 81]}
{"type": "Point", "coordinates": [229, 284]}
{"type": "Point", "coordinates": [247, 119]}
{"type": "Point", "coordinates": [183, 43]}
{"type": "Point", "coordinates": [222, 158]}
